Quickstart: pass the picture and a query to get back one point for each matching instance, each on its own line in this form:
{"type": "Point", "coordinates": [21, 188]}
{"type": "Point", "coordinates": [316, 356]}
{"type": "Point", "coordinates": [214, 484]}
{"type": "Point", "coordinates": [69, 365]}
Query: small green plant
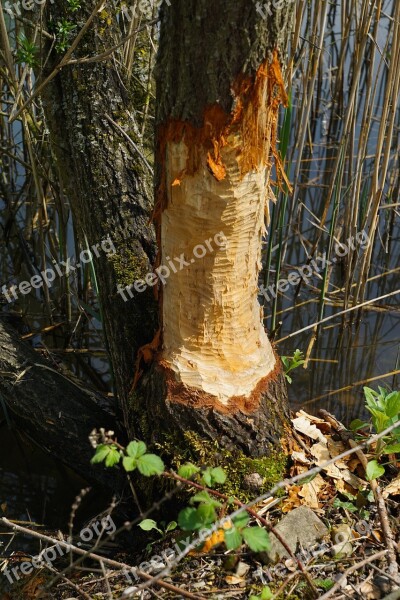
{"type": "Point", "coordinates": [384, 407]}
{"type": "Point", "coordinates": [204, 508]}
{"type": "Point", "coordinates": [292, 362]}
{"type": "Point", "coordinates": [324, 584]}
{"type": "Point", "coordinates": [150, 525]}
{"type": "Point", "coordinates": [162, 528]}
{"type": "Point", "coordinates": [266, 594]}
{"type": "Point", "coordinates": [355, 504]}
{"type": "Point", "coordinates": [27, 52]}
{"type": "Point", "coordinates": [63, 31]}
{"type": "Point", "coordinates": [134, 457]}
{"type": "Point", "coordinates": [74, 5]}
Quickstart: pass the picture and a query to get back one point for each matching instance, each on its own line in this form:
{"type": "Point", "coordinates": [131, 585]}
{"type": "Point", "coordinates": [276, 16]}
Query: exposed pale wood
{"type": "Point", "coordinates": [213, 337]}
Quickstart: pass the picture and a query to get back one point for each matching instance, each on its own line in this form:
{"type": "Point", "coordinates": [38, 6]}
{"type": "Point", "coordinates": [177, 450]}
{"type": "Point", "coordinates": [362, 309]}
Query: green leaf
{"type": "Point", "coordinates": [374, 470]}
{"type": "Point", "coordinates": [358, 424]}
{"type": "Point", "coordinates": [150, 464]}
{"type": "Point", "coordinates": [218, 475]}
{"type": "Point", "coordinates": [370, 396]}
{"type": "Point", "coordinates": [257, 539]}
{"type": "Point", "coordinates": [148, 525]}
{"type": "Point", "coordinates": [101, 452]}
{"type": "Point", "coordinates": [205, 497]}
{"type": "Point", "coordinates": [325, 584]}
{"type": "Point", "coordinates": [392, 449]}
{"type": "Point", "coordinates": [206, 477]}
{"type": "Point", "coordinates": [188, 470]}
{"type": "Point", "coordinates": [285, 360]}
{"type": "Point", "coordinates": [347, 505]}
{"type": "Point", "coordinates": [206, 514]}
{"type": "Point", "coordinates": [129, 463]}
{"type": "Point", "coordinates": [392, 401]}
{"type": "Point", "coordinates": [188, 519]}
{"type": "Point", "coordinates": [136, 449]}
{"type": "Point", "coordinates": [171, 526]}
{"type": "Point", "coordinates": [241, 520]}
{"type": "Point", "coordinates": [113, 457]}
{"type": "Point", "coordinates": [266, 594]}
{"type": "Point", "coordinates": [307, 479]}
{"type": "Point", "coordinates": [233, 539]}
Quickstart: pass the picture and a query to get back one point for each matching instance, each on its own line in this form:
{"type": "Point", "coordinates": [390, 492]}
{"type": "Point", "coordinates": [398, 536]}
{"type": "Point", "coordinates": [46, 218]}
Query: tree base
{"type": "Point", "coordinates": [256, 425]}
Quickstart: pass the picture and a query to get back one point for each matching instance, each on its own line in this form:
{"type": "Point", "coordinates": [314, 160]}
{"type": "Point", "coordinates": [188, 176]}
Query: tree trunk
{"type": "Point", "coordinates": [56, 413]}
{"type": "Point", "coordinates": [219, 87]}
{"type": "Point", "coordinates": [89, 109]}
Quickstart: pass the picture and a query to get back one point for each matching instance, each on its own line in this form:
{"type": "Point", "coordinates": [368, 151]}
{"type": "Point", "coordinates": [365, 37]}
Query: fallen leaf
{"type": "Point", "coordinates": [311, 418]}
{"type": "Point", "coordinates": [322, 455]}
{"type": "Point", "coordinates": [305, 426]}
{"type": "Point", "coordinates": [293, 499]}
{"type": "Point", "coordinates": [339, 470]}
{"type": "Point", "coordinates": [242, 569]}
{"type": "Point", "coordinates": [369, 591]}
{"type": "Point", "coordinates": [393, 489]}
{"type": "Point", "coordinates": [301, 458]}
{"type": "Point", "coordinates": [309, 492]}
{"type": "Point", "coordinates": [233, 580]}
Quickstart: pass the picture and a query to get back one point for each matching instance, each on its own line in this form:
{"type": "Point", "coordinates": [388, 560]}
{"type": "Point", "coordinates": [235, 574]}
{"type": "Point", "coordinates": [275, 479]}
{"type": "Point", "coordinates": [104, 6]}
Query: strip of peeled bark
{"type": "Point", "coordinates": [219, 90]}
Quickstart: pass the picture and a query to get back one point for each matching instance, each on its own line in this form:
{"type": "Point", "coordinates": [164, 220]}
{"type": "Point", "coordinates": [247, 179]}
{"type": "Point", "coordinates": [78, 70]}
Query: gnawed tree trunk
{"type": "Point", "coordinates": [55, 412]}
{"type": "Point", "coordinates": [215, 373]}
{"type": "Point", "coordinates": [219, 87]}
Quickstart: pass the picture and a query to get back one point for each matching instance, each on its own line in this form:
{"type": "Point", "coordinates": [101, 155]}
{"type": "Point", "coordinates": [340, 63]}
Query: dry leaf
{"type": "Point", "coordinates": [233, 580]}
{"type": "Point", "coordinates": [311, 418]}
{"type": "Point", "coordinates": [301, 458]}
{"type": "Point", "coordinates": [309, 492]}
{"type": "Point", "coordinates": [339, 470]}
{"type": "Point", "coordinates": [369, 591]}
{"type": "Point", "coordinates": [322, 455]}
{"type": "Point", "coordinates": [242, 569]}
{"type": "Point", "coordinates": [393, 489]}
{"type": "Point", "coordinates": [293, 500]}
{"type": "Point", "coordinates": [305, 426]}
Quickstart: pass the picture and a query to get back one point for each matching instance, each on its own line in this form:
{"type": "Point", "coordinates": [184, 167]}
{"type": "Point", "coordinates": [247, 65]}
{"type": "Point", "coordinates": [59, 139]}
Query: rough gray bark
{"type": "Point", "coordinates": [254, 433]}
{"type": "Point", "coordinates": [107, 183]}
{"type": "Point", "coordinates": [205, 45]}
{"type": "Point", "coordinates": [56, 413]}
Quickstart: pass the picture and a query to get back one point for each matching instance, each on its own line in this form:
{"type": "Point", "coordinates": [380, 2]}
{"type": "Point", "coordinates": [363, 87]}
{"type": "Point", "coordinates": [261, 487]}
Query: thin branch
{"type": "Point", "coordinates": [64, 61]}
{"type": "Point", "coordinates": [101, 559]}
{"type": "Point", "coordinates": [350, 570]}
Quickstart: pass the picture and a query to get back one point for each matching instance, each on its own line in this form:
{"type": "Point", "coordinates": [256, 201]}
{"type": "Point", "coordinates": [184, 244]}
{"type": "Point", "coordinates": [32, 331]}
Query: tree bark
{"type": "Point", "coordinates": [50, 408]}
{"type": "Point", "coordinates": [219, 87]}
{"type": "Point", "coordinates": [90, 109]}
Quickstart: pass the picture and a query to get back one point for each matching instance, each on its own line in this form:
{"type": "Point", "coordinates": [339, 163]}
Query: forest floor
{"type": "Point", "coordinates": [340, 528]}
